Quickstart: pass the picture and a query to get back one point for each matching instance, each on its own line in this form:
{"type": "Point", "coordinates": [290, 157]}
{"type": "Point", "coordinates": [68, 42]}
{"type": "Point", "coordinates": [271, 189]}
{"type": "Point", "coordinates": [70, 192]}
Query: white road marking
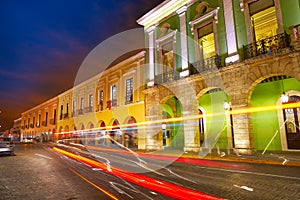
{"type": "Point", "coordinates": [244, 187]}
{"type": "Point", "coordinates": [37, 154]}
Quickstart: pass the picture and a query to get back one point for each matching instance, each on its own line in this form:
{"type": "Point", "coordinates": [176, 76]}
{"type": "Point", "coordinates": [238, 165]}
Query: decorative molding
{"type": "Point", "coordinates": [171, 35]}
{"type": "Point", "coordinates": [212, 14]}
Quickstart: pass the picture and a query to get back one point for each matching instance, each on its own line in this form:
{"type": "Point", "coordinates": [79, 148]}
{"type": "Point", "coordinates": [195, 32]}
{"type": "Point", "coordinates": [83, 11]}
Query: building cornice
{"type": "Point", "coordinates": [161, 11]}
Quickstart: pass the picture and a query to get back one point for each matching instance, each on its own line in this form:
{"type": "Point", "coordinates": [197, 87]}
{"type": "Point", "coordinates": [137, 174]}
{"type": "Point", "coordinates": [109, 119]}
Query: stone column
{"type": "Point", "coordinates": [191, 134]}
{"type": "Point", "coordinates": [243, 130]}
{"type": "Point", "coordinates": [183, 39]}
{"type": "Point", "coordinates": [153, 112]}
{"type": "Point", "coordinates": [151, 55]}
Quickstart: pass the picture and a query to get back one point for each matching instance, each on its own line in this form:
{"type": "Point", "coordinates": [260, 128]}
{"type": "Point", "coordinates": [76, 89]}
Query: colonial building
{"type": "Point", "coordinates": [216, 72]}
{"type": "Point", "coordinates": [107, 103]}
{"type": "Point", "coordinates": [215, 75]}
{"type": "Point", "coordinates": [39, 122]}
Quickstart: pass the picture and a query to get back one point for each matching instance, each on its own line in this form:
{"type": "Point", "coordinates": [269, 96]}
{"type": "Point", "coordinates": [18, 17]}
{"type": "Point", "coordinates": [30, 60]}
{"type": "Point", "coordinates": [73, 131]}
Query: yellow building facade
{"type": "Point", "coordinates": [110, 103]}
{"type": "Point", "coordinates": [39, 122]}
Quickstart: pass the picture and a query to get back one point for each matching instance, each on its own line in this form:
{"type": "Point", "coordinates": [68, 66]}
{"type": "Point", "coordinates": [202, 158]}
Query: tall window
{"type": "Point", "coordinates": [167, 56]}
{"type": "Point", "coordinates": [67, 109]}
{"type": "Point", "coordinates": [61, 111]}
{"type": "Point", "coordinates": [46, 119]}
{"type": "Point", "coordinates": [91, 98]}
{"type": "Point", "coordinates": [263, 19]}
{"type": "Point", "coordinates": [206, 42]}
{"type": "Point", "coordinates": [74, 107]}
{"type": "Point", "coordinates": [100, 99]}
{"type": "Point", "coordinates": [80, 111]}
{"type": "Point", "coordinates": [81, 103]}
{"type": "Point", "coordinates": [113, 95]}
{"type": "Point", "coordinates": [129, 90]}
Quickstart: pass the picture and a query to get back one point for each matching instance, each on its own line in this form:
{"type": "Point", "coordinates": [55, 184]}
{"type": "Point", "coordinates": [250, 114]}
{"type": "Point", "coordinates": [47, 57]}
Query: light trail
{"type": "Point", "coordinates": [149, 124]}
{"type": "Point", "coordinates": [94, 185]}
{"type": "Point", "coordinates": [159, 186]}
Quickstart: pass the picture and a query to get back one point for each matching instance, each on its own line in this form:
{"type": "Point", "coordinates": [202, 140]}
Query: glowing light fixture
{"type": "Point", "coordinates": [226, 105]}
{"type": "Point", "coordinates": [284, 97]}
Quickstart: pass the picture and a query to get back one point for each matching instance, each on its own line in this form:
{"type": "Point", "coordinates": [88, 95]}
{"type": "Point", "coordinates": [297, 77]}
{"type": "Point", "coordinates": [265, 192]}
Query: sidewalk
{"type": "Point", "coordinates": [274, 158]}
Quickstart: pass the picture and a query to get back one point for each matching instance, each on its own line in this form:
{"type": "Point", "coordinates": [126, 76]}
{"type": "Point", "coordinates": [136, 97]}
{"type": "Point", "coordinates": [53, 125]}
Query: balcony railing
{"type": "Point", "coordinates": [52, 121]}
{"type": "Point", "coordinates": [74, 114]}
{"type": "Point", "coordinates": [31, 126]}
{"type": "Point", "coordinates": [166, 77]}
{"type": "Point", "coordinates": [89, 109]}
{"type": "Point", "coordinates": [44, 123]}
{"type": "Point", "coordinates": [204, 65]}
{"type": "Point", "coordinates": [267, 45]}
{"type": "Point", "coordinates": [66, 115]}
{"type": "Point", "coordinates": [80, 111]}
{"type": "Point", "coordinates": [114, 102]}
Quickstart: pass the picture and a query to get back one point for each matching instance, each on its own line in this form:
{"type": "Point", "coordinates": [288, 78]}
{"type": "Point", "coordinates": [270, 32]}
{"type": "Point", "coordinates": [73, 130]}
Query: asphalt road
{"type": "Point", "coordinates": [39, 172]}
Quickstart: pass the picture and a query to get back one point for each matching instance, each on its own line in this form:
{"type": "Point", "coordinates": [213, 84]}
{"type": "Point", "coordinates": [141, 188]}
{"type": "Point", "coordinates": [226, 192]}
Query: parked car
{"type": "Point", "coordinates": [6, 148]}
{"type": "Point", "coordinates": [27, 140]}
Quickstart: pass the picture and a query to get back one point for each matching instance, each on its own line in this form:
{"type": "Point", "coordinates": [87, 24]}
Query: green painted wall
{"type": "Point", "coordinates": [265, 124]}
{"type": "Point", "coordinates": [191, 13]}
{"type": "Point", "coordinates": [240, 26]}
{"type": "Point", "coordinates": [216, 130]}
{"type": "Point", "coordinates": [290, 13]}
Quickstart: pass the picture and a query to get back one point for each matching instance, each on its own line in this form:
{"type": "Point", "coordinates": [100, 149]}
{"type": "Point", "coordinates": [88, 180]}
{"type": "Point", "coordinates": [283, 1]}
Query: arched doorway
{"type": "Point", "coordinates": [291, 118]}
{"type": "Point", "coordinates": [172, 130]}
{"type": "Point", "coordinates": [269, 121]}
{"type": "Point", "coordinates": [131, 133]}
{"type": "Point", "coordinates": [101, 135]}
{"type": "Point", "coordinates": [116, 134]}
{"type": "Point", "coordinates": [214, 129]}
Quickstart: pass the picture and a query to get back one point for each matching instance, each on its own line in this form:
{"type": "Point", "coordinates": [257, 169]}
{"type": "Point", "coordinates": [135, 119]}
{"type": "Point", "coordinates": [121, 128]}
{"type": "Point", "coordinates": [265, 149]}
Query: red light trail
{"type": "Point", "coordinates": [159, 186]}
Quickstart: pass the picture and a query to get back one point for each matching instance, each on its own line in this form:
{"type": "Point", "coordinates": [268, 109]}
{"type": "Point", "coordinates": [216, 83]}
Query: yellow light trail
{"type": "Point", "coordinates": [193, 117]}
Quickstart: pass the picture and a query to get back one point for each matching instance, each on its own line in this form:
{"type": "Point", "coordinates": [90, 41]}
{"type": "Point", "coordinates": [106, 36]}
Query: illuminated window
{"type": "Point", "coordinates": [261, 18]}
{"type": "Point", "coordinates": [113, 95]}
{"type": "Point", "coordinates": [167, 56]}
{"type": "Point", "coordinates": [91, 98]}
{"type": "Point", "coordinates": [74, 107]}
{"type": "Point", "coordinates": [81, 103]}
{"type": "Point", "coordinates": [206, 42]}
{"type": "Point", "coordinates": [129, 90]}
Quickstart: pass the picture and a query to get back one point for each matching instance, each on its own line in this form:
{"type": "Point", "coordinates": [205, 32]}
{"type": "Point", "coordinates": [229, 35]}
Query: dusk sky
{"type": "Point", "coordinates": [43, 44]}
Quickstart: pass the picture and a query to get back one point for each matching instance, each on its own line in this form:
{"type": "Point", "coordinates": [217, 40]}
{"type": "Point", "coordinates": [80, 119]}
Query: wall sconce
{"type": "Point", "coordinates": [284, 97]}
{"type": "Point", "coordinates": [226, 105]}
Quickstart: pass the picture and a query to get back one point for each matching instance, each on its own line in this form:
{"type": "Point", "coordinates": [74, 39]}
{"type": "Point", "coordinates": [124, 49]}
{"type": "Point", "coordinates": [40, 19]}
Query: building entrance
{"type": "Point", "coordinates": [292, 117]}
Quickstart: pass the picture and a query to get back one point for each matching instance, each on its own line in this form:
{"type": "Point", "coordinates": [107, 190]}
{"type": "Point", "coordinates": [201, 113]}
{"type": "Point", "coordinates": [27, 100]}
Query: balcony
{"type": "Point", "coordinates": [44, 123]}
{"type": "Point", "coordinates": [65, 116]}
{"type": "Point", "coordinates": [80, 111]}
{"type": "Point", "coordinates": [31, 126]}
{"type": "Point", "coordinates": [52, 121]}
{"type": "Point", "coordinates": [89, 109]}
{"type": "Point", "coordinates": [205, 65]}
{"type": "Point", "coordinates": [74, 114]}
{"type": "Point", "coordinates": [166, 77]}
{"type": "Point", "coordinates": [100, 106]}
{"type": "Point", "coordinates": [267, 45]}
{"type": "Point", "coordinates": [37, 124]}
